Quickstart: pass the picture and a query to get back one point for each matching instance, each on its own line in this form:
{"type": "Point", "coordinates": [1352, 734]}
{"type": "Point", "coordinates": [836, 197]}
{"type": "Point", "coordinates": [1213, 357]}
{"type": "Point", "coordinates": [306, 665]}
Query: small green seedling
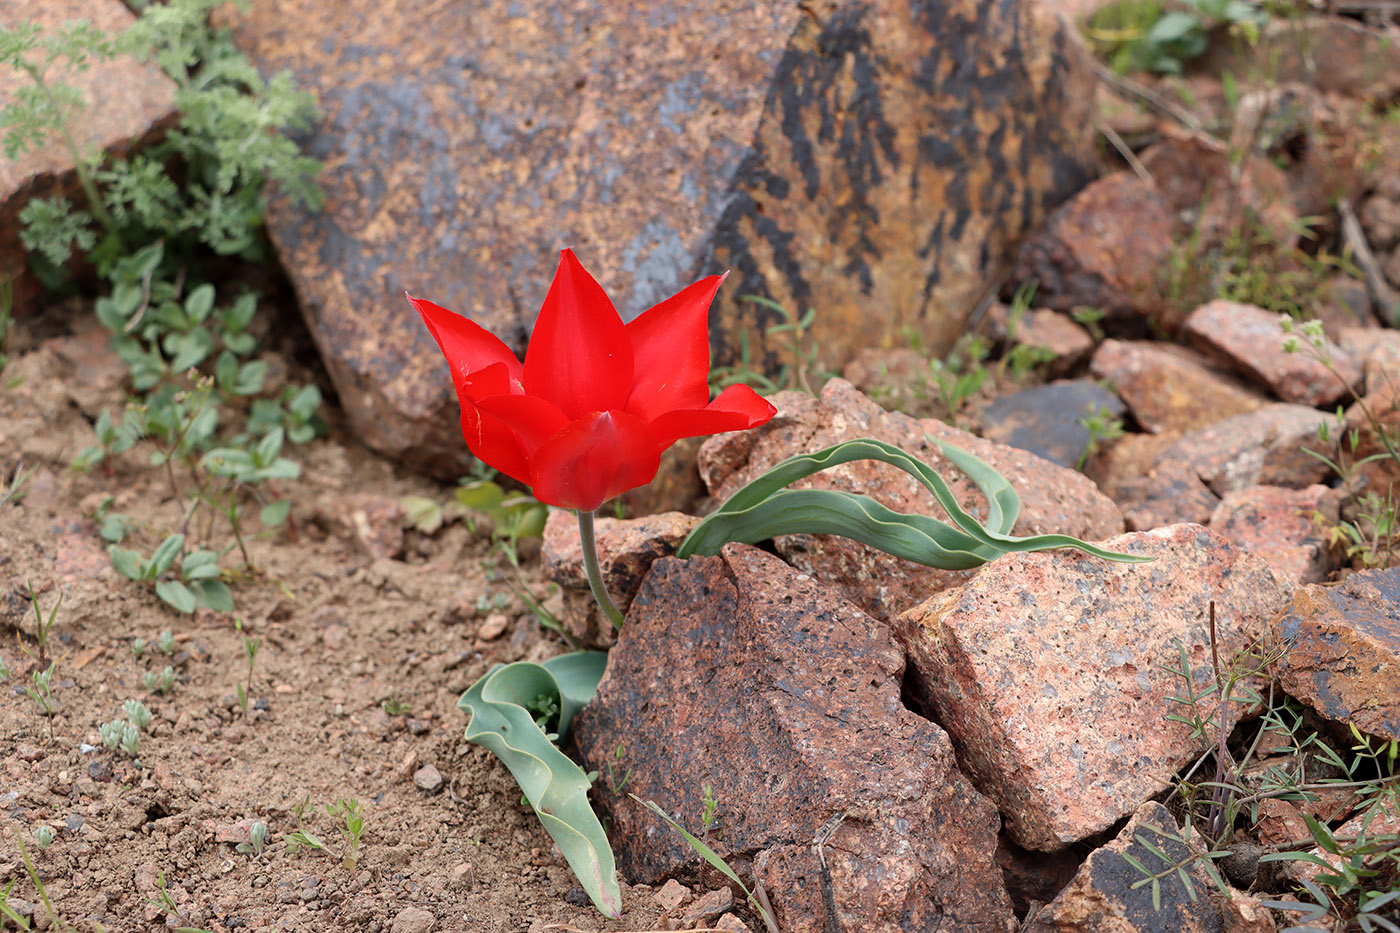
{"type": "Point", "coordinates": [199, 584]}
{"type": "Point", "coordinates": [42, 625]}
{"type": "Point", "coordinates": [166, 642]}
{"type": "Point", "coordinates": [41, 690]}
{"type": "Point", "coordinates": [137, 713]}
{"type": "Point", "coordinates": [161, 683]}
{"type": "Point", "coordinates": [709, 809]}
{"type": "Point", "coordinates": [138, 647]}
{"type": "Point", "coordinates": [43, 836]}
{"type": "Point", "coordinates": [250, 654]}
{"type": "Point", "coordinates": [757, 899]}
{"type": "Point", "coordinates": [354, 826]}
{"type": "Point", "coordinates": [397, 706]}
{"type": "Point", "coordinates": [258, 836]}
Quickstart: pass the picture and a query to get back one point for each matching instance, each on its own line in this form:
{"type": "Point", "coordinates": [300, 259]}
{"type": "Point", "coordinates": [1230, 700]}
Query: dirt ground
{"type": "Point", "coordinates": [344, 634]}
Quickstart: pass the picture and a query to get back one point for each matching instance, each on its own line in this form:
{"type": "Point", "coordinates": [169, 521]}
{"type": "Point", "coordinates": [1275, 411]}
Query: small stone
{"type": "Point", "coordinates": [428, 778]}
{"type": "Point", "coordinates": [334, 636]}
{"type": "Point", "coordinates": [577, 897]}
{"type": "Point", "coordinates": [29, 753]}
{"type": "Point", "coordinates": [493, 626]}
{"type": "Point", "coordinates": [407, 766]}
{"type": "Point", "coordinates": [708, 906]}
{"type": "Point", "coordinates": [100, 771]}
{"type": "Point", "coordinates": [412, 920]}
{"type": "Point", "coordinates": [671, 895]}
{"type": "Point", "coordinates": [463, 876]}
{"type": "Point", "coordinates": [732, 923]}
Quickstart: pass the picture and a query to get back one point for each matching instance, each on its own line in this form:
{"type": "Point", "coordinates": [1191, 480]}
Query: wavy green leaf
{"type": "Point", "coordinates": [764, 508]}
{"type": "Point", "coordinates": [503, 707]}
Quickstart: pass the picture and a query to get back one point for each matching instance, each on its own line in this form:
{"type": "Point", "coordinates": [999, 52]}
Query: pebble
{"type": "Point", "coordinates": [463, 876]}
{"type": "Point", "coordinates": [493, 626]}
{"type": "Point", "coordinates": [412, 920]}
{"type": "Point", "coordinates": [428, 778]}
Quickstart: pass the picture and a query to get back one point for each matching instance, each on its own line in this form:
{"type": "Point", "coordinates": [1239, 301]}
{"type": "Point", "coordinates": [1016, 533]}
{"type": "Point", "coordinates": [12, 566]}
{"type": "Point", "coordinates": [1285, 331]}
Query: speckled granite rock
{"type": "Point", "coordinates": [126, 101]}
{"type": "Point", "coordinates": [1189, 475]}
{"type": "Point", "coordinates": [877, 160]}
{"type": "Point", "coordinates": [1251, 340]}
{"type": "Point", "coordinates": [1104, 249]}
{"type": "Point", "coordinates": [1170, 388]}
{"type": "Point", "coordinates": [626, 550]}
{"type": "Point", "coordinates": [1102, 899]}
{"type": "Point", "coordinates": [739, 672]}
{"type": "Point", "coordinates": [1346, 650]}
{"type": "Point", "coordinates": [1277, 524]}
{"type": "Point", "coordinates": [1045, 670]}
{"type": "Point", "coordinates": [1053, 498]}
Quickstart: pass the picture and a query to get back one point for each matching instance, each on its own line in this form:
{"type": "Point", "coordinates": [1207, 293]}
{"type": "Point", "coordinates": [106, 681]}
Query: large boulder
{"type": "Point", "coordinates": [873, 160]}
{"type": "Point", "coordinates": [739, 674]}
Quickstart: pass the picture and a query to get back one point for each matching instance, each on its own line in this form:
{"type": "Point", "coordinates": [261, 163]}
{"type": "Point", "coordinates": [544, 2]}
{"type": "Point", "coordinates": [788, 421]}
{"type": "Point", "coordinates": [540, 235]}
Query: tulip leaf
{"type": "Point", "coordinates": [511, 707]}
{"type": "Point", "coordinates": [765, 508]}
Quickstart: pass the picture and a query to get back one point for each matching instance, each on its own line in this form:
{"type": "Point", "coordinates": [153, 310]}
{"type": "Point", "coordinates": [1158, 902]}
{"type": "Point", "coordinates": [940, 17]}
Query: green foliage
{"type": "Point", "coordinates": [503, 706]}
{"type": "Point", "coordinates": [1369, 525]}
{"type": "Point", "coordinates": [1147, 35]}
{"type": "Point", "coordinates": [352, 826]}
{"type": "Point", "coordinates": [1102, 425]}
{"type": "Point", "coordinates": [801, 368]}
{"type": "Point", "coordinates": [196, 585]}
{"type": "Point", "coordinates": [42, 625]}
{"type": "Point", "coordinates": [1359, 885]}
{"type": "Point", "coordinates": [765, 508]}
{"type": "Point", "coordinates": [149, 226]}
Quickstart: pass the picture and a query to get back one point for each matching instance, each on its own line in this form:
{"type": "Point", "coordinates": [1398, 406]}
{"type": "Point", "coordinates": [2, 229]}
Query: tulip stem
{"type": "Point", "coordinates": [590, 566]}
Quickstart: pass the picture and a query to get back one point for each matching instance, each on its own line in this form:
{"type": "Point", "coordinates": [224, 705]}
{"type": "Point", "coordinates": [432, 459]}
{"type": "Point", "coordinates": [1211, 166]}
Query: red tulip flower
{"type": "Point", "coordinates": [588, 413]}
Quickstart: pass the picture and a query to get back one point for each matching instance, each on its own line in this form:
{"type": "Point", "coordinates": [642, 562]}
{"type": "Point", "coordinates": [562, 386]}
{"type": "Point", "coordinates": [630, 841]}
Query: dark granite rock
{"type": "Point", "coordinates": [1102, 897]}
{"type": "Point", "coordinates": [877, 160]}
{"type": "Point", "coordinates": [1046, 419]}
{"type": "Point", "coordinates": [739, 672]}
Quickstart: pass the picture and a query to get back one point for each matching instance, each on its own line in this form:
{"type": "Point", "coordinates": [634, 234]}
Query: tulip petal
{"type": "Point", "coordinates": [671, 351]}
{"type": "Point", "coordinates": [468, 346]}
{"type": "Point", "coordinates": [494, 442]}
{"type": "Point", "coordinates": [594, 459]}
{"type": "Point", "coordinates": [579, 357]}
{"type": "Point", "coordinates": [736, 409]}
{"type": "Point", "coordinates": [533, 419]}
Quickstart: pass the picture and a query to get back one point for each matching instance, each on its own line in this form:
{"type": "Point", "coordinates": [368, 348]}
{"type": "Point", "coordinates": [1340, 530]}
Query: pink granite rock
{"type": "Point", "coordinates": [1277, 524]}
{"type": "Point", "coordinates": [740, 672]}
{"type": "Point", "coordinates": [1346, 650]}
{"type": "Point", "coordinates": [1046, 670]}
{"type": "Point", "coordinates": [626, 550]}
{"type": "Point", "coordinates": [1170, 388]}
{"type": "Point", "coordinates": [1053, 498]}
{"type": "Point", "coordinates": [1187, 477]}
{"type": "Point", "coordinates": [1044, 329]}
{"type": "Point", "coordinates": [1251, 339]}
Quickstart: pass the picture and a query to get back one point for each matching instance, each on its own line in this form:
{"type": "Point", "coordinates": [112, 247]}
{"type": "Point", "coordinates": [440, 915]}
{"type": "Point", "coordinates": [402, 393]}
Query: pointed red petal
{"type": "Point", "coordinates": [737, 408]}
{"type": "Point", "coordinates": [671, 349]}
{"type": "Point", "coordinates": [594, 459]}
{"type": "Point", "coordinates": [533, 419]}
{"type": "Point", "coordinates": [468, 346]}
{"type": "Point", "coordinates": [579, 357]}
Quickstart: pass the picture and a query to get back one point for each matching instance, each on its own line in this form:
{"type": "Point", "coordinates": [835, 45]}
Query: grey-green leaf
{"type": "Point", "coordinates": [764, 509]}
{"type": "Point", "coordinates": [556, 788]}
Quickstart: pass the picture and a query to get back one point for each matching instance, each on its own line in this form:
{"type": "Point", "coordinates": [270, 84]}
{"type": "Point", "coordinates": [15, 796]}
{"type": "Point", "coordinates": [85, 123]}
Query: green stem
{"type": "Point", "coordinates": [590, 566]}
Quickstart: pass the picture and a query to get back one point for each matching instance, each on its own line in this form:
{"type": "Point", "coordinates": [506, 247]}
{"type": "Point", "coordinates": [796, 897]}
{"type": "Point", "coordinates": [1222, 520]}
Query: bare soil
{"type": "Point", "coordinates": [344, 633]}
